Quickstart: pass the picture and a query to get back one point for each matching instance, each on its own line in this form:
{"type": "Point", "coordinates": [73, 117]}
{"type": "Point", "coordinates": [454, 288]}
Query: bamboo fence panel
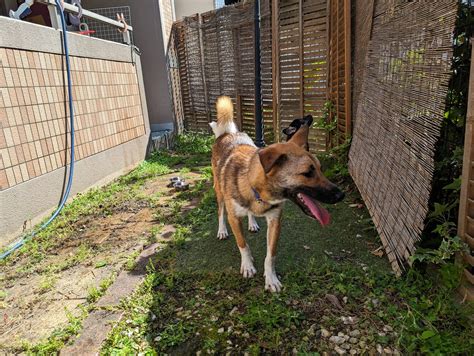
{"type": "Point", "coordinates": [399, 115]}
{"type": "Point", "coordinates": [362, 24]}
{"type": "Point", "coordinates": [466, 206]}
{"type": "Point", "coordinates": [174, 82]}
{"type": "Point", "coordinates": [339, 68]}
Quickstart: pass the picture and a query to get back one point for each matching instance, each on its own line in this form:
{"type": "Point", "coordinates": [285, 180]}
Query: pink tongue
{"type": "Point", "coordinates": [321, 214]}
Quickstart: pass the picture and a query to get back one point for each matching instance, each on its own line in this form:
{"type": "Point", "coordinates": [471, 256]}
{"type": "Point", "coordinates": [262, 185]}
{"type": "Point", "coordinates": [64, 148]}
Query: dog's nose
{"type": "Point", "coordinates": [339, 195]}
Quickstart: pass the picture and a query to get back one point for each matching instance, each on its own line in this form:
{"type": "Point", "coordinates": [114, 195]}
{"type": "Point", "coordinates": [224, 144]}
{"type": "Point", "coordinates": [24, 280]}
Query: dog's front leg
{"type": "Point", "coordinates": [272, 282]}
{"type": "Point", "coordinates": [246, 268]}
{"type": "Point", "coordinates": [253, 225]}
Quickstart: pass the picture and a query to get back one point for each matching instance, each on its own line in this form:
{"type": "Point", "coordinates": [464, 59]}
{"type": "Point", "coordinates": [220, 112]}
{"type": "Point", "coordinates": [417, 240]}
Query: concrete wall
{"type": "Point", "coordinates": [185, 8]}
{"type": "Point", "coordinates": [149, 38]}
{"type": "Point", "coordinates": [111, 118]}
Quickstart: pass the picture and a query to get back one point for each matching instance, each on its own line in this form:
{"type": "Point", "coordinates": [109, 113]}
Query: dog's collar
{"type": "Point", "coordinates": [257, 196]}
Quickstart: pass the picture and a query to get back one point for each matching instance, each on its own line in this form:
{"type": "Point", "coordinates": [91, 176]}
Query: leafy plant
{"type": "Point", "coordinates": [445, 228]}
{"type": "Point", "coordinates": [328, 120]}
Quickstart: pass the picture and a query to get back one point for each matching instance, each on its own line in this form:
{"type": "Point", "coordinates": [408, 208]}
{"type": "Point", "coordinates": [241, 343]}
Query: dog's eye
{"type": "Point", "coordinates": [310, 172]}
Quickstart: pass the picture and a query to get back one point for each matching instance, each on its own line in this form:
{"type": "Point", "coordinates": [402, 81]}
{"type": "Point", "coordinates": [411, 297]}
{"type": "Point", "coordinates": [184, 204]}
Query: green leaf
{"type": "Point", "coordinates": [455, 185]}
{"type": "Point", "coordinates": [101, 264]}
{"type": "Point", "coordinates": [439, 210]}
{"type": "Point", "coordinates": [427, 334]}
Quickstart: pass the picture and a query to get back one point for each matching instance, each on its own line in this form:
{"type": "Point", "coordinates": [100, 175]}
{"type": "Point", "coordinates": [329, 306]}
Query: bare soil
{"type": "Point", "coordinates": [40, 295]}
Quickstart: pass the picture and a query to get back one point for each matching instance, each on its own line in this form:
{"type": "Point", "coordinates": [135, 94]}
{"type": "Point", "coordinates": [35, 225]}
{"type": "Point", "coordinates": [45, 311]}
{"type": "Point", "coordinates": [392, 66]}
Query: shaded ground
{"type": "Point", "coordinates": [339, 294]}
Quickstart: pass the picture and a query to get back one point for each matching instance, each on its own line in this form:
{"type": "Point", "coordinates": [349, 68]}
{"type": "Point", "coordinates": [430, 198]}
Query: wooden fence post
{"type": "Point", "coordinates": [276, 69]}
{"type": "Point", "coordinates": [466, 204]}
{"type": "Point", "coordinates": [347, 66]}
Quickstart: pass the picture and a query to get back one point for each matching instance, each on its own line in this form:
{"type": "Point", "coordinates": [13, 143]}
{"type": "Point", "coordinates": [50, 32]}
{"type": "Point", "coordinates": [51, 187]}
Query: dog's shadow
{"type": "Point", "coordinates": [302, 239]}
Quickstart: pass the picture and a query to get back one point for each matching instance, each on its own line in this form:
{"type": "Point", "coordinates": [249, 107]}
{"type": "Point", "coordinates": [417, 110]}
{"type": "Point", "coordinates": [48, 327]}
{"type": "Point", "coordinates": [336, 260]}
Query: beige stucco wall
{"type": "Point", "coordinates": [190, 7]}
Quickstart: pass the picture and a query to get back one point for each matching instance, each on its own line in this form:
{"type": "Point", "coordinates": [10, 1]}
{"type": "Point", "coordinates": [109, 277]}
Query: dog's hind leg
{"type": "Point", "coordinates": [253, 225]}
{"type": "Point", "coordinates": [222, 233]}
{"type": "Point", "coordinates": [247, 269]}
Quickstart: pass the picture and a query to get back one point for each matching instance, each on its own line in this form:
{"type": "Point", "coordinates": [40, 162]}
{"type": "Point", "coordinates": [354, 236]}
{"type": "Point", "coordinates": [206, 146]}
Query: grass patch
{"type": "Point", "coordinates": [194, 299]}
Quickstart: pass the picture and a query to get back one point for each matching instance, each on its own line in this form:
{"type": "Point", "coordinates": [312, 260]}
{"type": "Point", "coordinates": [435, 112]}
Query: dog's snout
{"type": "Point", "coordinates": [339, 195]}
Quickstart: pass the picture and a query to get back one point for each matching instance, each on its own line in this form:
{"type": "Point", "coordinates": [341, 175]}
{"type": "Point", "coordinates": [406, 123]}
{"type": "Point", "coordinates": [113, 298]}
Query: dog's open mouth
{"type": "Point", "coordinates": [312, 208]}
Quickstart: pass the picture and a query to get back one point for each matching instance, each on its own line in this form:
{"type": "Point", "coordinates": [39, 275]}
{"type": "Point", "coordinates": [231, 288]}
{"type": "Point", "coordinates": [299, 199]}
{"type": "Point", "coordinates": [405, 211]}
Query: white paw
{"type": "Point", "coordinates": [253, 227]}
{"type": "Point", "coordinates": [272, 283]}
{"type": "Point", "coordinates": [222, 235]}
{"type": "Point", "coordinates": [247, 269]}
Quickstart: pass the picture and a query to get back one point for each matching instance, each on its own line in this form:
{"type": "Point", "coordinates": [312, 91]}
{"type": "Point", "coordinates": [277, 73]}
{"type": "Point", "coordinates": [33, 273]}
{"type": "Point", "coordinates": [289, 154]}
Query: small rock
{"type": "Point", "coordinates": [341, 334]}
{"type": "Point", "coordinates": [339, 350]}
{"type": "Point", "coordinates": [379, 349]}
{"type": "Point", "coordinates": [348, 320]}
{"type": "Point", "coordinates": [381, 334]}
{"type": "Point", "coordinates": [362, 344]}
{"type": "Point", "coordinates": [198, 353]}
{"type": "Point", "coordinates": [294, 351]}
{"type": "Point", "coordinates": [346, 346]}
{"type": "Point", "coordinates": [354, 333]}
{"type": "Point", "coordinates": [375, 302]}
{"type": "Point", "coordinates": [336, 339]}
{"type": "Point", "coordinates": [246, 335]}
{"type": "Point", "coordinates": [353, 352]}
{"type": "Point", "coordinates": [387, 328]}
{"type": "Point", "coordinates": [345, 299]}
{"type": "Point", "coordinates": [305, 338]}
{"type": "Point", "coordinates": [358, 236]}
{"type": "Point", "coordinates": [220, 330]}
{"type": "Point", "coordinates": [325, 333]}
{"type": "Point", "coordinates": [353, 340]}
{"type": "Point", "coordinates": [387, 351]}
{"type": "Point", "coordinates": [229, 342]}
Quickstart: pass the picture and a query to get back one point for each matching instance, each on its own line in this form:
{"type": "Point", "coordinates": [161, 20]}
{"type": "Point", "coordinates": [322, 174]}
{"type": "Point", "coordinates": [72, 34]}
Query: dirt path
{"type": "Point", "coordinates": [43, 294]}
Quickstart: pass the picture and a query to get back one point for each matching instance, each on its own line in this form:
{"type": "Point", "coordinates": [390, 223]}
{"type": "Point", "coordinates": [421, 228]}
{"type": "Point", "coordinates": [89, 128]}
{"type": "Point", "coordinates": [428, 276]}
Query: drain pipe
{"type": "Point", "coordinates": [258, 80]}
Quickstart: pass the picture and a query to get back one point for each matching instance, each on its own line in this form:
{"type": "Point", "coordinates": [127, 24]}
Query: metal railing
{"type": "Point", "coordinates": [56, 20]}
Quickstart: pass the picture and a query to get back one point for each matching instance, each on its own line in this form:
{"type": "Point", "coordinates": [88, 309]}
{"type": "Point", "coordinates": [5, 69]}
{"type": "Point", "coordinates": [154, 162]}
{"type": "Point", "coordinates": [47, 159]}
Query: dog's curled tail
{"type": "Point", "coordinates": [225, 117]}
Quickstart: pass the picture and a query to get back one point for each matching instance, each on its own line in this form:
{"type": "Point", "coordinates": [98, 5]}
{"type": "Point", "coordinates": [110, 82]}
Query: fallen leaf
{"type": "Point", "coordinates": [306, 247]}
{"type": "Point", "coordinates": [377, 252]}
{"type": "Point", "coordinates": [334, 301]}
{"type": "Point", "coordinates": [101, 264]}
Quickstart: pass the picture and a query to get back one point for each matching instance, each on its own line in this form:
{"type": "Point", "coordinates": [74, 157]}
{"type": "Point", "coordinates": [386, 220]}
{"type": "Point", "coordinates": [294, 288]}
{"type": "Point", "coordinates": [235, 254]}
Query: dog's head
{"type": "Point", "coordinates": [293, 173]}
{"type": "Point", "coordinates": [296, 125]}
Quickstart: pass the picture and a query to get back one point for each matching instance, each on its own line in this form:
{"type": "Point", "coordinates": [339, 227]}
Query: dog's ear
{"type": "Point", "coordinates": [308, 120]}
{"type": "Point", "coordinates": [300, 138]}
{"type": "Point", "coordinates": [271, 157]}
{"type": "Point", "coordinates": [289, 130]}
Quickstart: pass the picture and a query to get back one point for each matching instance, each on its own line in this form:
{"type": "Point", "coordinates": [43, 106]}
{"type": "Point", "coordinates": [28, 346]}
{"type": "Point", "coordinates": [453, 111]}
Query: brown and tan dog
{"type": "Point", "coordinates": [256, 182]}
